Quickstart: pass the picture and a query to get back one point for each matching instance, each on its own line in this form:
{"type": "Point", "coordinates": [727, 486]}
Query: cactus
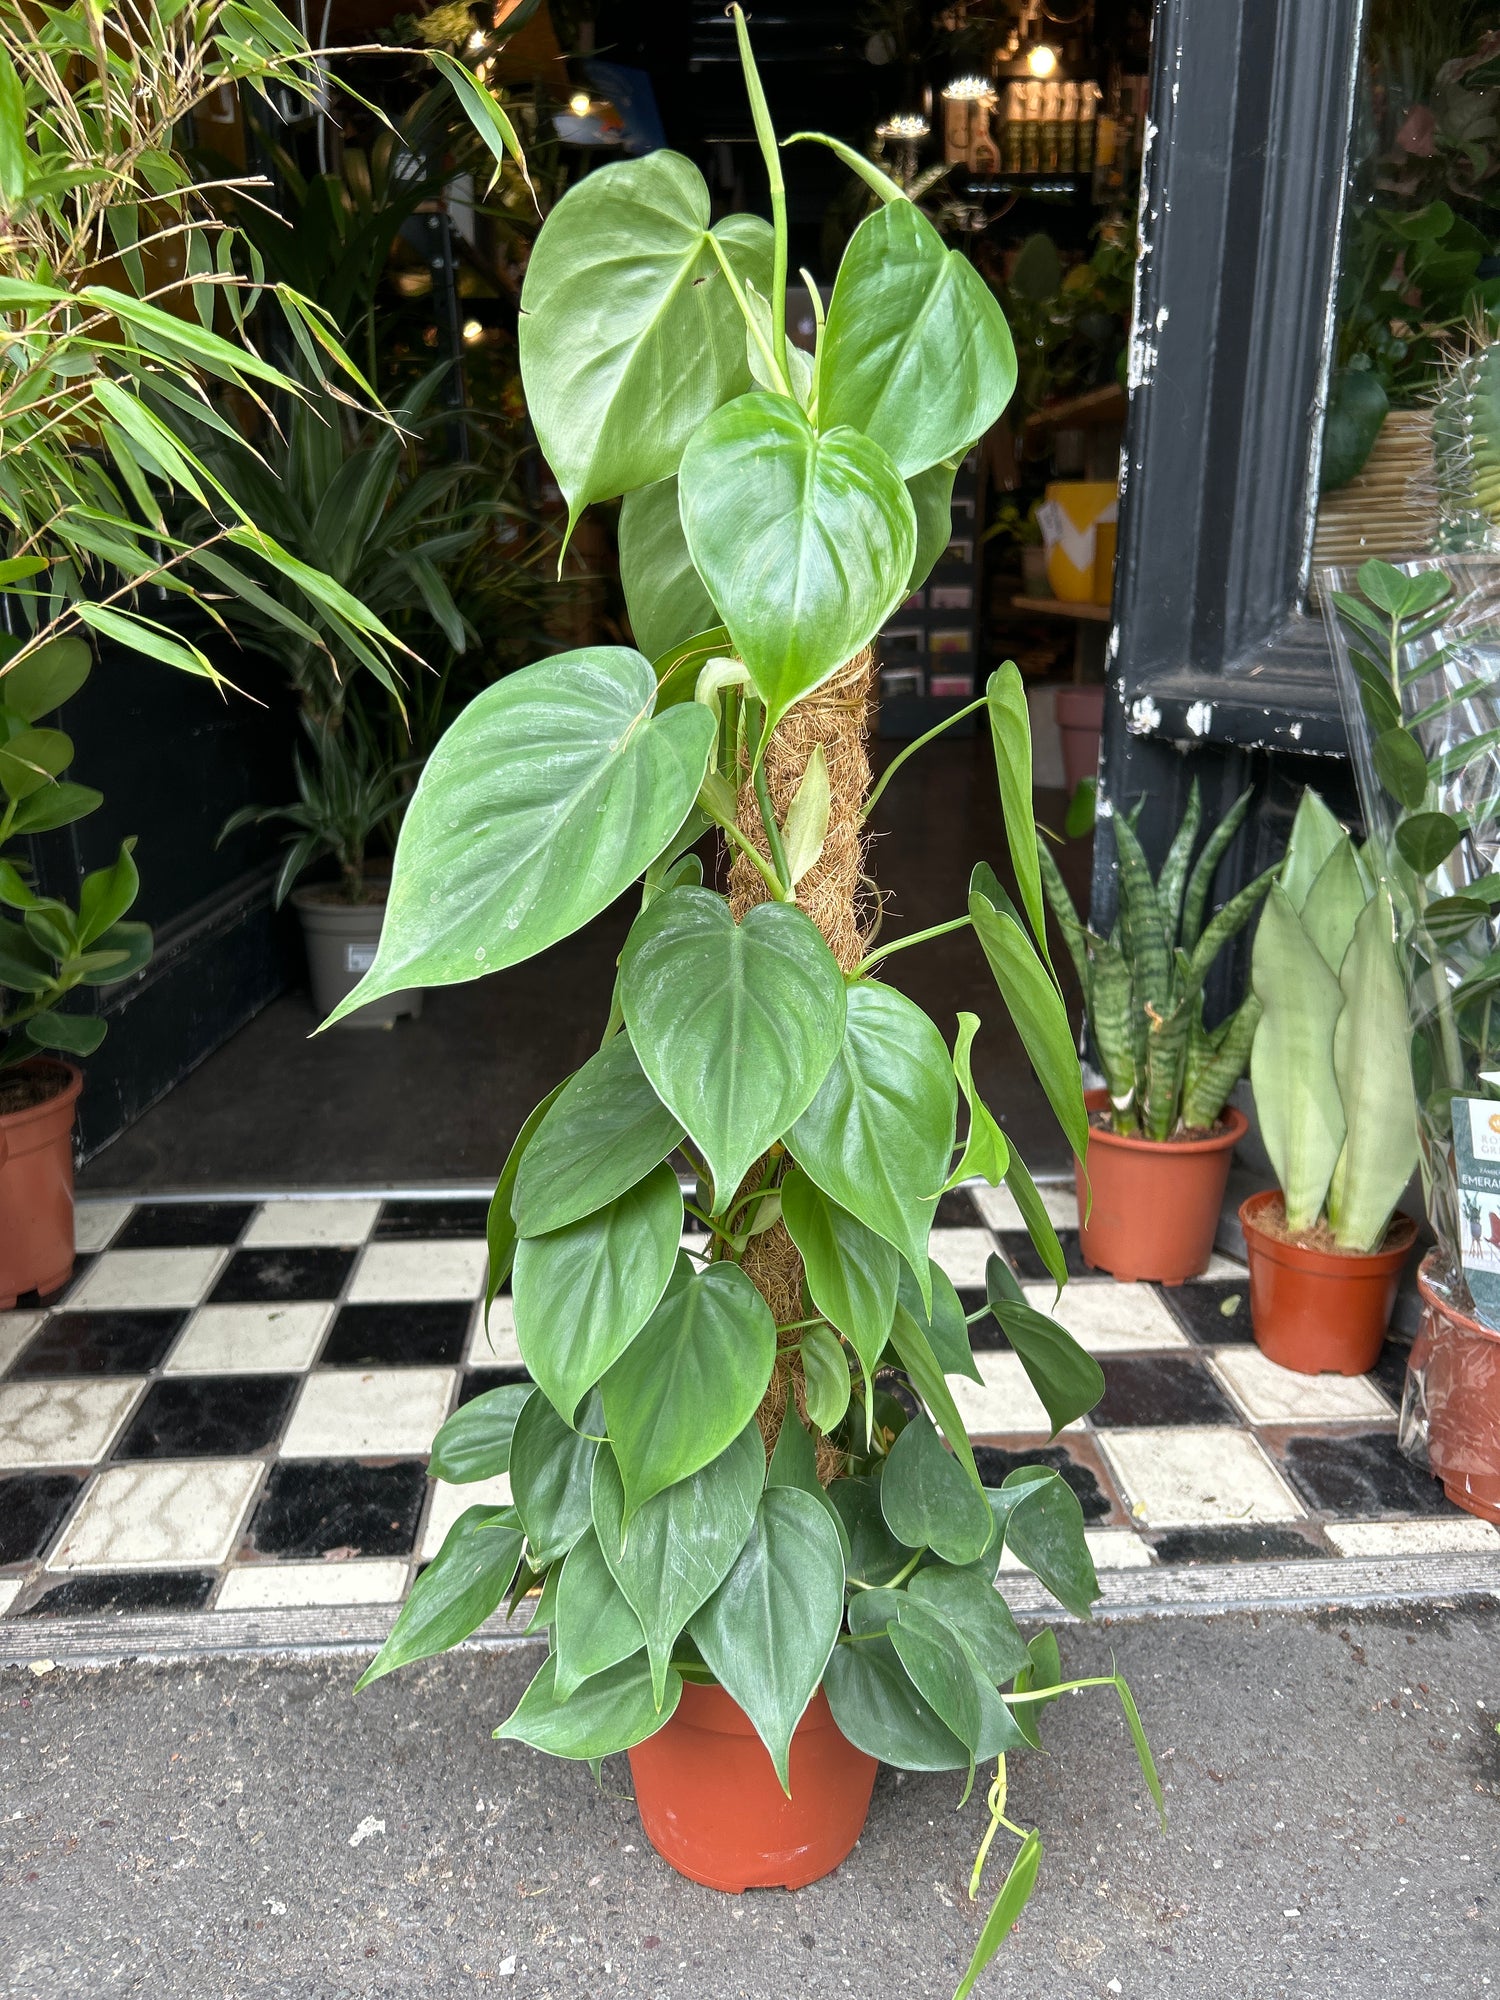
{"type": "Point", "coordinates": [1466, 454]}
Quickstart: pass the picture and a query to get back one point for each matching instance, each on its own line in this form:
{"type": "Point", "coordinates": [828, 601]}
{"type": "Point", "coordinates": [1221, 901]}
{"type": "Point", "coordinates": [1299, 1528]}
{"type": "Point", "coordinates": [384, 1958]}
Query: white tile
{"type": "Point", "coordinates": [1005, 1401]}
{"type": "Point", "coordinates": [494, 1346]}
{"type": "Point", "coordinates": [378, 1413]}
{"type": "Point", "coordinates": [1107, 1318]}
{"type": "Point", "coordinates": [1118, 1548]}
{"type": "Point", "coordinates": [144, 1278]}
{"type": "Point", "coordinates": [300, 1225]}
{"type": "Point", "coordinates": [249, 1340]}
{"type": "Point", "coordinates": [403, 1272]}
{"type": "Point", "coordinates": [10, 1589]}
{"type": "Point", "coordinates": [1270, 1394]}
{"type": "Point", "coordinates": [95, 1222]}
{"type": "Point", "coordinates": [1195, 1476]}
{"type": "Point", "coordinates": [962, 1253]}
{"type": "Point", "coordinates": [448, 1502]}
{"type": "Point", "coordinates": [260, 1586]}
{"type": "Point", "coordinates": [1412, 1538]}
{"type": "Point", "coordinates": [998, 1205]}
{"type": "Point", "coordinates": [62, 1423]}
{"type": "Point", "coordinates": [16, 1328]}
{"type": "Point", "coordinates": [161, 1514]}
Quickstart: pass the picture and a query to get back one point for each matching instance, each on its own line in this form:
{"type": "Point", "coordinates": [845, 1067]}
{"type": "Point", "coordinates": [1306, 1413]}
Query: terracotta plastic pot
{"type": "Point", "coordinates": [341, 939]}
{"type": "Point", "coordinates": [1320, 1312]}
{"type": "Point", "coordinates": [710, 1802]}
{"type": "Point", "coordinates": [36, 1188]}
{"type": "Point", "coordinates": [1080, 719]}
{"type": "Point", "coordinates": [1156, 1201]}
{"type": "Point", "coordinates": [1458, 1359]}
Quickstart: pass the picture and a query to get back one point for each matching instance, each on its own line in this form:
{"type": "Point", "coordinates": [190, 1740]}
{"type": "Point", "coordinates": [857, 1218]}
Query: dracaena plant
{"type": "Point", "coordinates": [1166, 1071]}
{"type": "Point", "coordinates": [712, 1478]}
{"type": "Point", "coordinates": [1329, 1067]}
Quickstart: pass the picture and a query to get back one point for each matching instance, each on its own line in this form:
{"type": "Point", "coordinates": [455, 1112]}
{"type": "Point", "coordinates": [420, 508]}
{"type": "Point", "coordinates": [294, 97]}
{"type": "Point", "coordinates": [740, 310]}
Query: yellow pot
{"type": "Point", "coordinates": [1078, 526]}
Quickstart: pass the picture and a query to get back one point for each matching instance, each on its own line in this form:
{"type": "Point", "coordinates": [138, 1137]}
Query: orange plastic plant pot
{"type": "Point", "coordinates": [1320, 1312]}
{"type": "Point", "coordinates": [710, 1802]}
{"type": "Point", "coordinates": [1459, 1359]}
{"type": "Point", "coordinates": [1156, 1202]}
{"type": "Point", "coordinates": [36, 1189]}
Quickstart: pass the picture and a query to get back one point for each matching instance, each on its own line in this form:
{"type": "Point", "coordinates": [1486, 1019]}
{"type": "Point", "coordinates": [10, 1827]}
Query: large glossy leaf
{"type": "Point", "coordinates": [1035, 1005]}
{"type": "Point", "coordinates": [664, 594]}
{"type": "Point", "coordinates": [735, 1024]}
{"type": "Point", "coordinates": [1042, 1523]}
{"type": "Point", "coordinates": [975, 1608]}
{"type": "Point", "coordinates": [1066, 1376]}
{"type": "Point", "coordinates": [874, 1556]}
{"type": "Point", "coordinates": [612, 1711]}
{"type": "Point", "coordinates": [916, 353]}
{"type": "Point", "coordinates": [475, 1441]}
{"type": "Point", "coordinates": [878, 1136]}
{"type": "Point", "coordinates": [930, 1502]}
{"type": "Point", "coordinates": [805, 539]}
{"type": "Point", "coordinates": [551, 1468]}
{"type": "Point", "coordinates": [678, 1547]}
{"type": "Point", "coordinates": [606, 1131]}
{"type": "Point", "coordinates": [878, 1708]}
{"type": "Point", "coordinates": [456, 1592]}
{"type": "Point", "coordinates": [593, 1627]}
{"type": "Point", "coordinates": [629, 332]}
{"type": "Point", "coordinates": [932, 501]}
{"type": "Point", "coordinates": [500, 1227]}
{"type": "Point", "coordinates": [552, 791]}
{"type": "Point", "coordinates": [46, 678]}
{"type": "Point", "coordinates": [851, 1272]}
{"type": "Point", "coordinates": [767, 1631]}
{"type": "Point", "coordinates": [946, 1328]}
{"type": "Point", "coordinates": [583, 1293]}
{"type": "Point", "coordinates": [690, 1382]}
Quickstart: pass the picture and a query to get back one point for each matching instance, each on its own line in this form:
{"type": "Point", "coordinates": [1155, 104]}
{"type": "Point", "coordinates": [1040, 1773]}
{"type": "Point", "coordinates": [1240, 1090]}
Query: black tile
{"type": "Point", "coordinates": [1250, 1543]}
{"type": "Point", "coordinates": [477, 1380]}
{"type": "Point", "coordinates": [99, 1343]}
{"type": "Point", "coordinates": [397, 1336]}
{"type": "Point", "coordinates": [995, 1463]}
{"type": "Point", "coordinates": [32, 1506]}
{"type": "Point", "coordinates": [254, 1275]}
{"type": "Point", "coordinates": [432, 1219]}
{"type": "Point", "coordinates": [125, 1590]}
{"type": "Point", "coordinates": [1360, 1476]}
{"type": "Point", "coordinates": [209, 1416]}
{"type": "Point", "coordinates": [1213, 1311]}
{"type": "Point", "coordinates": [32, 1301]}
{"type": "Point", "coordinates": [314, 1505]}
{"type": "Point", "coordinates": [1389, 1372]}
{"type": "Point", "coordinates": [1025, 1259]}
{"type": "Point", "coordinates": [175, 1225]}
{"type": "Point", "coordinates": [1159, 1389]}
{"type": "Point", "coordinates": [957, 1210]}
{"type": "Point", "coordinates": [985, 1335]}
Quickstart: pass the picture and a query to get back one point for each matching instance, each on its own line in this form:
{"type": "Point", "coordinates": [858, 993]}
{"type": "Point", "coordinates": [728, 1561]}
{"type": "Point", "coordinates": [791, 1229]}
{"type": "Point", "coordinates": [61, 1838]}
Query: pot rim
{"type": "Point", "coordinates": [1470, 1325]}
{"type": "Point", "coordinates": [1325, 1263]}
{"type": "Point", "coordinates": [1130, 1142]}
{"type": "Point", "coordinates": [721, 1715]}
{"type": "Point", "coordinates": [32, 1114]}
{"type": "Point", "coordinates": [310, 896]}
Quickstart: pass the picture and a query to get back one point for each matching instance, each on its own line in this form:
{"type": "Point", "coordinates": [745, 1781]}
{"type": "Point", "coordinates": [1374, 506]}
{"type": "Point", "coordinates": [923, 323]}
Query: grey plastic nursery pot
{"type": "Point", "coordinates": [341, 940]}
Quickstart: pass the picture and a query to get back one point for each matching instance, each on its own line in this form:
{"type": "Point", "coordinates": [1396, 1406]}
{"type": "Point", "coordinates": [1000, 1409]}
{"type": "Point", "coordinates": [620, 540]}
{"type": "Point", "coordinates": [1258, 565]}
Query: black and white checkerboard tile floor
{"type": "Point", "coordinates": [230, 1405]}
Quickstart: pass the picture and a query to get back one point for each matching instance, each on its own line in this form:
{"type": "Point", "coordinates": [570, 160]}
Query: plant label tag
{"type": "Point", "coordinates": [1476, 1160]}
{"type": "Point", "coordinates": [358, 957]}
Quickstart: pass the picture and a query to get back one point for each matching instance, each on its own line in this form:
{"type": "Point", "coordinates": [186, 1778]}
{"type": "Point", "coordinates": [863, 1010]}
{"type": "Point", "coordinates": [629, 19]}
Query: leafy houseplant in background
{"type": "Point", "coordinates": [735, 1523]}
{"type": "Point", "coordinates": [1417, 647]}
{"type": "Point", "coordinates": [1331, 1077]}
{"type": "Point", "coordinates": [1158, 1159]}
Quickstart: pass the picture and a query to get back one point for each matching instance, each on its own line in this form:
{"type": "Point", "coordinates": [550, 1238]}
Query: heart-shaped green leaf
{"type": "Point", "coordinates": [929, 1501]}
{"type": "Point", "coordinates": [825, 1376]}
{"type": "Point", "coordinates": [735, 1024]}
{"type": "Point", "coordinates": [689, 1382]}
{"type": "Point", "coordinates": [500, 1230]}
{"type": "Point", "coordinates": [1042, 1523]}
{"type": "Point", "coordinates": [606, 1131]}
{"type": "Point", "coordinates": [611, 1711]}
{"type": "Point", "coordinates": [878, 1708]}
{"type": "Point", "coordinates": [552, 791]}
{"type": "Point", "coordinates": [456, 1592]}
{"type": "Point", "coordinates": [46, 678]}
{"type": "Point", "coordinates": [974, 1607]}
{"type": "Point", "coordinates": [593, 1626]}
{"type": "Point", "coordinates": [932, 500]}
{"type": "Point", "coordinates": [805, 540]}
{"type": "Point", "coordinates": [664, 594]}
{"type": "Point", "coordinates": [583, 1293]}
{"type": "Point", "coordinates": [680, 1546]}
{"type": "Point", "coordinates": [629, 332]}
{"type": "Point", "coordinates": [851, 1272]}
{"type": "Point", "coordinates": [945, 1327]}
{"type": "Point", "coordinates": [550, 1471]}
{"type": "Point", "coordinates": [1426, 839]}
{"type": "Point", "coordinates": [1066, 1376]}
{"type": "Point", "coordinates": [878, 1136]}
{"type": "Point", "coordinates": [475, 1441]}
{"type": "Point", "coordinates": [916, 353]}
{"type": "Point", "coordinates": [986, 1153]}
{"type": "Point", "coordinates": [767, 1631]}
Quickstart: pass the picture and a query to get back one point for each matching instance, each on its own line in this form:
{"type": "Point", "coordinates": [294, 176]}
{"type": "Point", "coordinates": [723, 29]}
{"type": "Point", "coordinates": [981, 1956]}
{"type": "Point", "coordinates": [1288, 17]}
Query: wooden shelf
{"type": "Point", "coordinates": [1090, 411]}
{"type": "Point", "coordinates": [1057, 607]}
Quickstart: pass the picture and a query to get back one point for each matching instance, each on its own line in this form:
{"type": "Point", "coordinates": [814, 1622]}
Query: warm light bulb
{"type": "Point", "coordinates": [473, 330]}
{"type": "Point", "coordinates": [1041, 60]}
{"type": "Point", "coordinates": [580, 104]}
{"type": "Point", "coordinates": [969, 86]}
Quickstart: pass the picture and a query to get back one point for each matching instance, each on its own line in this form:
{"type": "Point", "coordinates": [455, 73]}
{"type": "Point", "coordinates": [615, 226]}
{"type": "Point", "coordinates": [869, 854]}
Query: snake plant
{"type": "Point", "coordinates": [1329, 1068]}
{"type": "Point", "coordinates": [1466, 452]}
{"type": "Point", "coordinates": [1166, 1070]}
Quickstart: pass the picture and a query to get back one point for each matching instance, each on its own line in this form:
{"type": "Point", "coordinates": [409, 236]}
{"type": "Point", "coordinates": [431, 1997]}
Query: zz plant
{"type": "Point", "coordinates": [733, 1464]}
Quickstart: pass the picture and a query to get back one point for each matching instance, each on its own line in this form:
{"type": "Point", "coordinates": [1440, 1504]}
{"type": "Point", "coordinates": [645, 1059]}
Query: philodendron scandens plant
{"type": "Point", "coordinates": [732, 1466]}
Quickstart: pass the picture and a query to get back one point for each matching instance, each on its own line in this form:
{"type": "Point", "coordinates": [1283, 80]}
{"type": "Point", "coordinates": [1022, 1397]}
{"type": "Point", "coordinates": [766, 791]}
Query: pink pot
{"type": "Point", "coordinates": [1080, 719]}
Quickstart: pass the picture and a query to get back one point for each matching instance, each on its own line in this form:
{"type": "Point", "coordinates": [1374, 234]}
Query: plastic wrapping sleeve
{"type": "Point", "coordinates": [1450, 1409]}
{"type": "Point", "coordinates": [1439, 672]}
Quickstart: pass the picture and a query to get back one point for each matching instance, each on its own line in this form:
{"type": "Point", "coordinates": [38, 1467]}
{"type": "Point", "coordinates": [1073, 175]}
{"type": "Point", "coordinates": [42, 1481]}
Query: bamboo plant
{"type": "Point", "coordinates": [711, 1478]}
{"type": "Point", "coordinates": [1166, 1071]}
{"type": "Point", "coordinates": [1329, 1067]}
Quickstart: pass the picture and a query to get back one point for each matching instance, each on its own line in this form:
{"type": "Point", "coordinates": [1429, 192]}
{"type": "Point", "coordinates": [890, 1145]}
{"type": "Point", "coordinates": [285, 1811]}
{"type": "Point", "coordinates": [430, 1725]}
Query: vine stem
{"type": "Point", "coordinates": [911, 750]}
{"type": "Point", "coordinates": [771, 153]}
{"type": "Point", "coordinates": [901, 944]}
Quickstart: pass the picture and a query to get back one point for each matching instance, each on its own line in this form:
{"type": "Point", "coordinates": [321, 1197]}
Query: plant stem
{"type": "Point", "coordinates": [773, 367]}
{"type": "Point", "coordinates": [911, 750]}
{"type": "Point", "coordinates": [917, 937]}
{"type": "Point", "coordinates": [771, 154]}
{"type": "Point", "coordinates": [768, 821]}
